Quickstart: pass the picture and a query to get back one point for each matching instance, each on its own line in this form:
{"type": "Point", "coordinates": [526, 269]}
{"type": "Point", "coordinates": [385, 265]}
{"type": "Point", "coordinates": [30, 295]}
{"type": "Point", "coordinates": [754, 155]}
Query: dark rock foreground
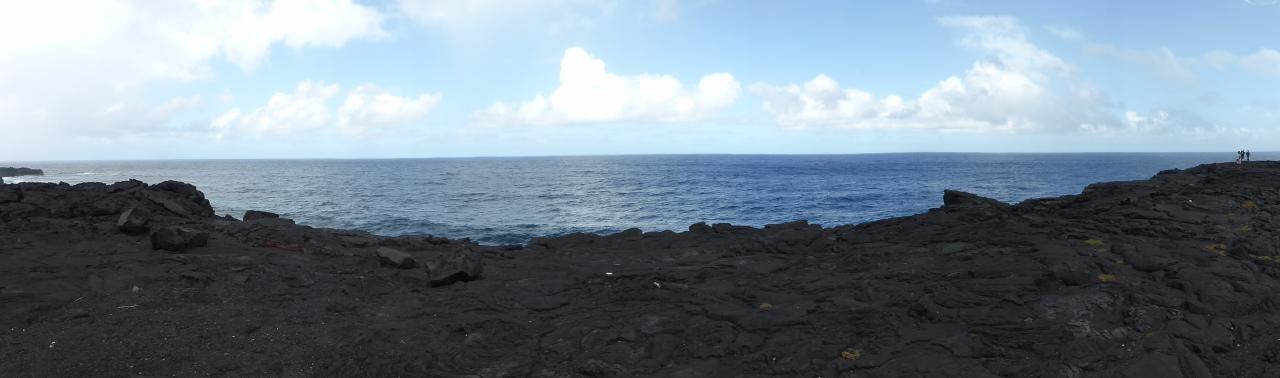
{"type": "Point", "coordinates": [1175, 276]}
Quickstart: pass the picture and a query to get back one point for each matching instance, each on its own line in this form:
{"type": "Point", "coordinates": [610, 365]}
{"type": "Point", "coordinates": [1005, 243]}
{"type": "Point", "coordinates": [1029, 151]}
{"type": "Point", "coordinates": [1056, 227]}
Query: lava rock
{"type": "Point", "coordinates": [450, 267]}
{"type": "Point", "coordinates": [700, 228]}
{"type": "Point", "coordinates": [12, 172]}
{"type": "Point", "coordinates": [123, 186]}
{"type": "Point", "coordinates": [253, 215]}
{"type": "Point", "coordinates": [10, 194]}
{"type": "Point", "coordinates": [178, 239]}
{"type": "Point", "coordinates": [956, 198]}
{"type": "Point", "coordinates": [180, 198]}
{"type": "Point", "coordinates": [133, 221]}
{"type": "Point", "coordinates": [396, 258]}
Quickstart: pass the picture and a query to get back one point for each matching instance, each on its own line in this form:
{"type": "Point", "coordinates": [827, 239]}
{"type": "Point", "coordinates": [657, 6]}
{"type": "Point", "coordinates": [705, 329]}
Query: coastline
{"type": "Point", "coordinates": [1176, 274]}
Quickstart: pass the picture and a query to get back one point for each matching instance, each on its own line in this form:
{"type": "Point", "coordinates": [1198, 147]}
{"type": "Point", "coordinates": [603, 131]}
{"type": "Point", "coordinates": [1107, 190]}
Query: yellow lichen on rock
{"type": "Point", "coordinates": [1096, 244]}
{"type": "Point", "coordinates": [851, 355]}
{"type": "Point", "coordinates": [1106, 277]}
{"type": "Point", "coordinates": [1217, 249]}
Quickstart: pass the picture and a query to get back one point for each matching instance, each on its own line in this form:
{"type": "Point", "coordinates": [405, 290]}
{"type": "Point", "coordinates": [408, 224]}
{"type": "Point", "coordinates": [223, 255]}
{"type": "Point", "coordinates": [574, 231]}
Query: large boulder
{"type": "Point", "coordinates": [178, 239]}
{"type": "Point", "coordinates": [133, 221]}
{"type": "Point", "coordinates": [454, 266]}
{"type": "Point", "coordinates": [396, 258]}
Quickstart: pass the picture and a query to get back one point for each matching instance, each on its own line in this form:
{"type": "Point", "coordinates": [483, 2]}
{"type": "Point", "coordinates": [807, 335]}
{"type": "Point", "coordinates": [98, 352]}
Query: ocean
{"type": "Point", "coordinates": [510, 200]}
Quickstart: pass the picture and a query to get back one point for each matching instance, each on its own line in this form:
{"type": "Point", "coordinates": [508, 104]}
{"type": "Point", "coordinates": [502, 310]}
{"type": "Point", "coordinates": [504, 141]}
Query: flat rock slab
{"type": "Point", "coordinates": [396, 258]}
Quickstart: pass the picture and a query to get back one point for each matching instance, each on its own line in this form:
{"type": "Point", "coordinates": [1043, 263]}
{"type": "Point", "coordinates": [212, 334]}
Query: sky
{"type": "Point", "coordinates": [204, 79]}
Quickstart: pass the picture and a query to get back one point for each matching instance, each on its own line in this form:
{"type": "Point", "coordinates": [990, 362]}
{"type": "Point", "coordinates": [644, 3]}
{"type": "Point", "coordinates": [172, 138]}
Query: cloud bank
{"type": "Point", "coordinates": [366, 109]}
{"type": "Point", "coordinates": [1018, 87]}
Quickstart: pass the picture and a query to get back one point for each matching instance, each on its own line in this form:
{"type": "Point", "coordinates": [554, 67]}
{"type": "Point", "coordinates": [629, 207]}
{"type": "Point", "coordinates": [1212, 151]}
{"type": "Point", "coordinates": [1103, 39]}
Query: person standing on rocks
{"type": "Point", "coordinates": [1246, 155]}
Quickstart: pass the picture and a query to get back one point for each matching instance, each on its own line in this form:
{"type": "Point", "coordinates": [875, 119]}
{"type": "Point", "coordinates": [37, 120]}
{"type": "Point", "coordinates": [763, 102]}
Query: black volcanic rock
{"type": "Point", "coordinates": [454, 266]}
{"type": "Point", "coordinates": [178, 239]}
{"type": "Point", "coordinates": [133, 221]}
{"type": "Point", "coordinates": [252, 215]}
{"type": "Point", "coordinates": [956, 198]}
{"type": "Point", "coordinates": [395, 258]}
{"type": "Point", "coordinates": [1177, 275]}
{"type": "Point", "coordinates": [14, 172]}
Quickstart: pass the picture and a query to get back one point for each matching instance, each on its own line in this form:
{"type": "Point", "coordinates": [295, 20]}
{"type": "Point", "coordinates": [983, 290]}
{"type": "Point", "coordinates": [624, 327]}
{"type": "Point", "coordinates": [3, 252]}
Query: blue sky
{"type": "Point", "coordinates": [343, 79]}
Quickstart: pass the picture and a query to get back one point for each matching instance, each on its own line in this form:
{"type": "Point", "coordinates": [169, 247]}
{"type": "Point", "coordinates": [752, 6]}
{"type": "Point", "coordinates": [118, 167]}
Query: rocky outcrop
{"type": "Point", "coordinates": [14, 172]}
{"type": "Point", "coordinates": [1178, 275]}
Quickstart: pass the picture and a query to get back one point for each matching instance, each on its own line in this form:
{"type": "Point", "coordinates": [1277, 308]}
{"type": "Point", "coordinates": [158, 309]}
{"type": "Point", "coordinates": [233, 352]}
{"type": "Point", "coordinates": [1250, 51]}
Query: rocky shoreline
{"type": "Point", "coordinates": [1167, 277]}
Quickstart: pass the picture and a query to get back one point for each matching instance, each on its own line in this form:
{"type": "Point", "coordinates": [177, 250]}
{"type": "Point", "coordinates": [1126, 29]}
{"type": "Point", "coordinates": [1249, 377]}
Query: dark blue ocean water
{"type": "Point", "coordinates": [509, 200]}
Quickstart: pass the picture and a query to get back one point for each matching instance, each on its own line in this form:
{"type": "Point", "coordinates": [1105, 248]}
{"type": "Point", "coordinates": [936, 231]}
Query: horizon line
{"type": "Point", "coordinates": [638, 155]}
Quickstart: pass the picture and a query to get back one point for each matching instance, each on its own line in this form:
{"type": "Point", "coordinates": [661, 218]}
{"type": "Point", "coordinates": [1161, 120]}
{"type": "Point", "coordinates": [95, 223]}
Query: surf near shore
{"type": "Point", "coordinates": [1170, 276]}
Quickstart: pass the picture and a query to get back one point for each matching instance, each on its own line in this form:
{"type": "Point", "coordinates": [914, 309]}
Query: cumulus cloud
{"type": "Point", "coordinates": [588, 93]}
{"type": "Point", "coordinates": [1014, 89]}
{"type": "Point", "coordinates": [307, 110]}
{"type": "Point", "coordinates": [367, 108]}
{"type": "Point", "coordinates": [1004, 38]}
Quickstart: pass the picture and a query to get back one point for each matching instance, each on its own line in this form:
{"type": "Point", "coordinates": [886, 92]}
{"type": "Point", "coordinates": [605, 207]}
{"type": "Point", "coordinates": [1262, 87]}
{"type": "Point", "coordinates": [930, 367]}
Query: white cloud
{"type": "Point", "coordinates": [1161, 121]}
{"type": "Point", "coordinates": [588, 93]}
{"type": "Point", "coordinates": [296, 23]}
{"type": "Point", "coordinates": [1264, 62]}
{"type": "Point", "coordinates": [65, 61]}
{"type": "Point", "coordinates": [307, 110]}
{"type": "Point", "coordinates": [285, 113]}
{"type": "Point", "coordinates": [666, 10]}
{"type": "Point", "coordinates": [1218, 59]}
{"type": "Point", "coordinates": [1160, 62]}
{"type": "Point", "coordinates": [1014, 89]}
{"type": "Point", "coordinates": [1004, 38]}
{"type": "Point", "coordinates": [479, 17]}
{"type": "Point", "coordinates": [367, 108]}
{"type": "Point", "coordinates": [1065, 33]}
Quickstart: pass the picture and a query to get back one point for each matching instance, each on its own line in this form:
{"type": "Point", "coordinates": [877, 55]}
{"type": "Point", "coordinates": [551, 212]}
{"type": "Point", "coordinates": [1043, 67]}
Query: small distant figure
{"type": "Point", "coordinates": [1246, 155]}
{"type": "Point", "coordinates": [1239, 157]}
